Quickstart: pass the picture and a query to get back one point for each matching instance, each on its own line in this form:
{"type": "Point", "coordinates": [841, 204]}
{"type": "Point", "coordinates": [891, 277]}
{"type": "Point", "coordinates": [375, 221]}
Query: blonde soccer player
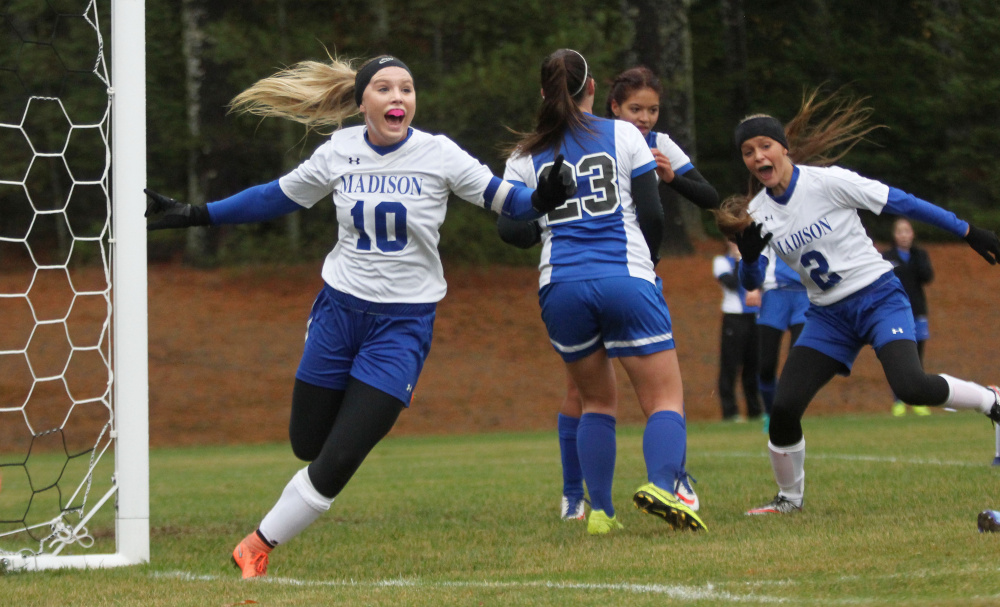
{"type": "Point", "coordinates": [369, 331]}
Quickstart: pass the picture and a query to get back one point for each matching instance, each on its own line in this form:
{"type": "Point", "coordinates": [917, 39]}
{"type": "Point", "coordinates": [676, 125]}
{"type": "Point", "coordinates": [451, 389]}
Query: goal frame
{"type": "Point", "coordinates": [129, 342]}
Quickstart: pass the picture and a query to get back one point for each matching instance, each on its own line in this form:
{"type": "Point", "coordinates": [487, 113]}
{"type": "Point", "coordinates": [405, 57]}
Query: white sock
{"type": "Point", "coordinates": [998, 441]}
{"type": "Point", "coordinates": [299, 505]}
{"type": "Point", "coordinates": [968, 395]}
{"type": "Point", "coordinates": [788, 464]}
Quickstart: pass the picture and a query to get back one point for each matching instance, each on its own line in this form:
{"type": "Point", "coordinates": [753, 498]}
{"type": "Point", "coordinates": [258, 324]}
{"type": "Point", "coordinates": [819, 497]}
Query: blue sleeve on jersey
{"type": "Point", "coordinates": [908, 205]}
{"type": "Point", "coordinates": [684, 169]}
{"type": "Point", "coordinates": [259, 203]}
{"type": "Point", "coordinates": [649, 166]}
{"type": "Point", "coordinates": [517, 205]}
{"type": "Point", "coordinates": [752, 275]}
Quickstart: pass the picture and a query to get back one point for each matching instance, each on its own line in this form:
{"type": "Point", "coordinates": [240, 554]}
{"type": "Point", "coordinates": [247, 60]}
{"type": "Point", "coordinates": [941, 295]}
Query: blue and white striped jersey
{"type": "Point", "coordinates": [680, 162]}
{"type": "Point", "coordinates": [595, 234]}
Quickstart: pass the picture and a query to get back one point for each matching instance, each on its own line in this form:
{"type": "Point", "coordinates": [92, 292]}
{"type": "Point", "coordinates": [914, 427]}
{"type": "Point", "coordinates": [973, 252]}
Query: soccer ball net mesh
{"type": "Point", "coordinates": [56, 417]}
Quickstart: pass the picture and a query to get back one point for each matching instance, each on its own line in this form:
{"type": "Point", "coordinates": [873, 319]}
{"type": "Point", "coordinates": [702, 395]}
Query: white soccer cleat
{"type": "Point", "coordinates": [572, 509]}
{"type": "Point", "coordinates": [685, 493]}
{"type": "Point", "coordinates": [779, 505]}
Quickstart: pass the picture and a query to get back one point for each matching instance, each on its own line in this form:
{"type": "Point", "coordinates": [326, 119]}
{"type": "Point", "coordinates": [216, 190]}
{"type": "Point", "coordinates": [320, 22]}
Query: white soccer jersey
{"type": "Point", "coordinates": [818, 233]}
{"type": "Point", "coordinates": [679, 161]}
{"type": "Point", "coordinates": [732, 299]}
{"type": "Point", "coordinates": [390, 207]}
{"type": "Point", "coordinates": [778, 274]}
{"type": "Point", "coordinates": [595, 234]}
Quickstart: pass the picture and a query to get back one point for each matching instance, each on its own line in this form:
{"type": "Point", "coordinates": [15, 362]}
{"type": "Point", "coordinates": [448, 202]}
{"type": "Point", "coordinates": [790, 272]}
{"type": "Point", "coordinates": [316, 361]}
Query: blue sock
{"type": "Point", "coordinates": [767, 390]}
{"type": "Point", "coordinates": [664, 445]}
{"type": "Point", "coordinates": [597, 449]}
{"type": "Point", "coordinates": [572, 474]}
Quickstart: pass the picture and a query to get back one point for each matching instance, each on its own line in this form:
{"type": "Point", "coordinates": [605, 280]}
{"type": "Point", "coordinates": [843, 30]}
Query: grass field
{"type": "Point", "coordinates": [890, 519]}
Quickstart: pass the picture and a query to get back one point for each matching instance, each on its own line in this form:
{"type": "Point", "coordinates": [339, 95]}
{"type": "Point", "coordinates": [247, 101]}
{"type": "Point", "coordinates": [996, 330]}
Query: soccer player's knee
{"type": "Point", "coordinates": [305, 448]}
{"type": "Point", "coordinates": [915, 392]}
{"type": "Point", "coordinates": [785, 427]}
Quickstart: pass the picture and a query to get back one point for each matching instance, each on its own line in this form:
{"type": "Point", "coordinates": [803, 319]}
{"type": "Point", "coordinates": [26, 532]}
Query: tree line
{"type": "Point", "coordinates": [928, 68]}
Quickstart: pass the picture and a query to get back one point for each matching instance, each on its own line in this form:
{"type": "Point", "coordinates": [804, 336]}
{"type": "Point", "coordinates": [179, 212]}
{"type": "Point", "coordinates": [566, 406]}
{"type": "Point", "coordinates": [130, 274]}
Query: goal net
{"type": "Point", "coordinates": [74, 480]}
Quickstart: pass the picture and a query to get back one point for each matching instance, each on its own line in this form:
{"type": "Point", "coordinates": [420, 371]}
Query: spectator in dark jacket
{"type": "Point", "coordinates": [912, 266]}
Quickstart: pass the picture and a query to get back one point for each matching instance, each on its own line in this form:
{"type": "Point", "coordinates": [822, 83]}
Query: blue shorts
{"type": "Point", "coordinates": [875, 315]}
{"type": "Point", "coordinates": [626, 316]}
{"type": "Point", "coordinates": [382, 345]}
{"type": "Point", "coordinates": [782, 308]}
{"type": "Point", "coordinates": [922, 328]}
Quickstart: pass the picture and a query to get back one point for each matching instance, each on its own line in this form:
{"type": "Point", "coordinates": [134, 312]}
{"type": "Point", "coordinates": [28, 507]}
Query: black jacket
{"type": "Point", "coordinates": [914, 274]}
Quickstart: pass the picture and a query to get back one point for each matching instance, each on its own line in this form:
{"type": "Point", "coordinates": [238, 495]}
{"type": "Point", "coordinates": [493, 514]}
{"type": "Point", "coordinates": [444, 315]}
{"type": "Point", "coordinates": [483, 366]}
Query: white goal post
{"type": "Point", "coordinates": [118, 489]}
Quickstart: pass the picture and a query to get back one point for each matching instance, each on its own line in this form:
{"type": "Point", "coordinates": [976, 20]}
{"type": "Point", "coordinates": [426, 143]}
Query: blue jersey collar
{"type": "Point", "coordinates": [382, 150]}
{"type": "Point", "coordinates": [787, 195]}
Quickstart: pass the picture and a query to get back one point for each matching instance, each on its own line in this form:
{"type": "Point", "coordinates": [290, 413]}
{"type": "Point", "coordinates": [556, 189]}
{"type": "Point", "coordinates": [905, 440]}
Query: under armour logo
{"type": "Point", "coordinates": [899, 330]}
{"type": "Point", "coordinates": [768, 218]}
{"type": "Point", "coordinates": [409, 387]}
{"type": "Point", "coordinates": [351, 160]}
{"type": "Point", "coordinates": [386, 60]}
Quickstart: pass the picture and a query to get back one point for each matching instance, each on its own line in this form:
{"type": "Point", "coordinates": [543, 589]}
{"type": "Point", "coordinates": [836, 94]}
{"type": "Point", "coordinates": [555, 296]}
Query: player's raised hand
{"type": "Point", "coordinates": [173, 213]}
{"type": "Point", "coordinates": [985, 243]}
{"type": "Point", "coordinates": [751, 242]}
{"type": "Point", "coordinates": [555, 187]}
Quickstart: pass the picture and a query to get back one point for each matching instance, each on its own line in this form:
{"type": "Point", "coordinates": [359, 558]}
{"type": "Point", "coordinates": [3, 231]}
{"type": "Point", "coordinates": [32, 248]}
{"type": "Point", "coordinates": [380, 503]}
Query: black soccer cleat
{"type": "Point", "coordinates": [994, 413]}
{"type": "Point", "coordinates": [989, 521]}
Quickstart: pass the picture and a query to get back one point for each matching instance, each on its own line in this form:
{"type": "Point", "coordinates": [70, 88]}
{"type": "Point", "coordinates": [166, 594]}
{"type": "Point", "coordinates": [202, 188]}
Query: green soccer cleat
{"type": "Point", "coordinates": [600, 524]}
{"type": "Point", "coordinates": [652, 500]}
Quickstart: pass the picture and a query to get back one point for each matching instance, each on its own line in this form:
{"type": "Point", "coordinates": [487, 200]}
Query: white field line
{"type": "Point", "coordinates": [881, 459]}
{"type": "Point", "coordinates": [707, 592]}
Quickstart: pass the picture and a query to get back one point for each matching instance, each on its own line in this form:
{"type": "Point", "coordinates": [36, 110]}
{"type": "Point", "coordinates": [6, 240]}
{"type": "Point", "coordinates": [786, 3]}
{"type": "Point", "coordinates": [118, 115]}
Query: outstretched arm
{"type": "Point", "coordinates": [519, 202]}
{"type": "Point", "coordinates": [982, 241]}
{"type": "Point", "coordinates": [259, 203]}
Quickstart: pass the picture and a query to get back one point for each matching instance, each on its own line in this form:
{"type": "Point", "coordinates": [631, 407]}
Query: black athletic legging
{"type": "Point", "coordinates": [769, 339]}
{"type": "Point", "coordinates": [808, 370]}
{"type": "Point", "coordinates": [335, 430]}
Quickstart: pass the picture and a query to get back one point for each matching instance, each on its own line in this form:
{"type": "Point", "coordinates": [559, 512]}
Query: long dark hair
{"type": "Point", "coordinates": [628, 82]}
{"type": "Point", "coordinates": [564, 83]}
{"type": "Point", "coordinates": [821, 133]}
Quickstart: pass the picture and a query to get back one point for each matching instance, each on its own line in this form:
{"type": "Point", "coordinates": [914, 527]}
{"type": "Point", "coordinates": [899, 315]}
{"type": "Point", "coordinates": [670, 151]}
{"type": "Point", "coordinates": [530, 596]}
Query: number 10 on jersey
{"type": "Point", "coordinates": [390, 226]}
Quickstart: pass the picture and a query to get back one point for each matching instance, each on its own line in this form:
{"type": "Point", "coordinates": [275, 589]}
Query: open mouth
{"type": "Point", "coordinates": [765, 173]}
{"type": "Point", "coordinates": [395, 117]}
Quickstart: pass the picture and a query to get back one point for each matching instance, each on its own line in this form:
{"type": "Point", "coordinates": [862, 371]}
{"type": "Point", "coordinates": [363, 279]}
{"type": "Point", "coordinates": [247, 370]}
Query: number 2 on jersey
{"type": "Point", "coordinates": [820, 274]}
{"type": "Point", "coordinates": [385, 241]}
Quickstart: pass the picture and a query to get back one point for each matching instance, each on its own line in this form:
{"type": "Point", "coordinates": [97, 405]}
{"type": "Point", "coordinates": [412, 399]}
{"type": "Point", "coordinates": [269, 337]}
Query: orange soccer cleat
{"type": "Point", "coordinates": [250, 556]}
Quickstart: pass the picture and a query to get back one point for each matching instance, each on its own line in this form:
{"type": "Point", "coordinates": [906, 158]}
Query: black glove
{"type": "Point", "coordinates": [751, 243]}
{"type": "Point", "coordinates": [176, 214]}
{"type": "Point", "coordinates": [552, 191]}
{"type": "Point", "coordinates": [985, 243]}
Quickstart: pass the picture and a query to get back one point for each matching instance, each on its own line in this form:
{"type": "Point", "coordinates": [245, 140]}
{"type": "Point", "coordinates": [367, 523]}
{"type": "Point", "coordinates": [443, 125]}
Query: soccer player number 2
{"type": "Point", "coordinates": [388, 240]}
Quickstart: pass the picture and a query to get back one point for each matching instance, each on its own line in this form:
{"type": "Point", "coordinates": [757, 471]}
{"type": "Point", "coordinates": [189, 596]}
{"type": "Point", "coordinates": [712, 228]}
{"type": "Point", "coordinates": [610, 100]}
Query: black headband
{"type": "Point", "coordinates": [757, 126]}
{"type": "Point", "coordinates": [368, 71]}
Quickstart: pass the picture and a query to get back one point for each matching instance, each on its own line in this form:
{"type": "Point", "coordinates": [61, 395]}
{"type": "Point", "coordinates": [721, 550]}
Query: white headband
{"type": "Point", "coordinates": [586, 71]}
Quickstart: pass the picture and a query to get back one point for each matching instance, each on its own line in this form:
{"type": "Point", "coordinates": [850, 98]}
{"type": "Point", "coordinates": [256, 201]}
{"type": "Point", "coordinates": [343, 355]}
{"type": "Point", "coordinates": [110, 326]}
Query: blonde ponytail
{"type": "Point", "coordinates": [317, 94]}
